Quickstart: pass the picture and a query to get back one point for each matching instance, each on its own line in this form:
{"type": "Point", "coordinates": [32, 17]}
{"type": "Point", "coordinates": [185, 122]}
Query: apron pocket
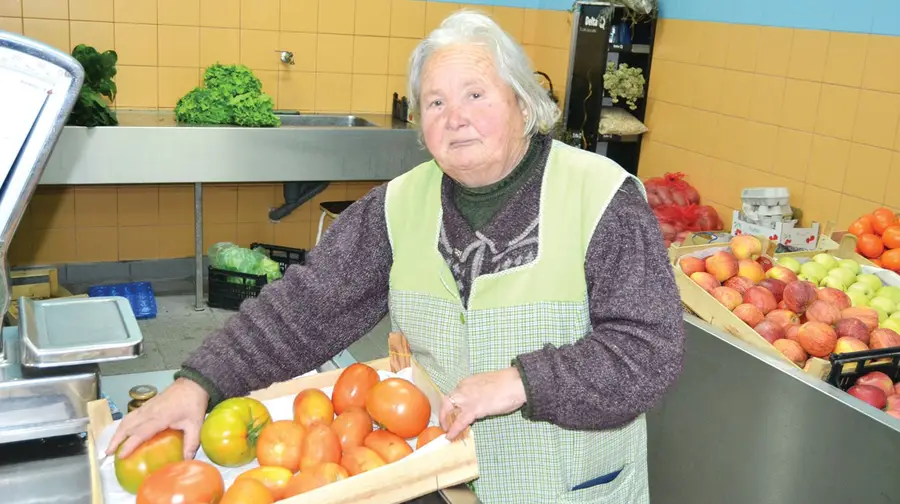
{"type": "Point", "coordinates": [613, 488]}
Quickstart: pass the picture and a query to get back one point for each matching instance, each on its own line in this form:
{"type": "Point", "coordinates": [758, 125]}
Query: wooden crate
{"type": "Point", "coordinates": [705, 307]}
{"type": "Point", "coordinates": [38, 283]}
{"type": "Point", "coordinates": [400, 481]}
{"type": "Point", "coordinates": [843, 249]}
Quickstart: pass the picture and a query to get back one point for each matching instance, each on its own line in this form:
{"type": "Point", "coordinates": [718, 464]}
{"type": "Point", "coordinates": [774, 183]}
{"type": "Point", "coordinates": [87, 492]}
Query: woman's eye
{"type": "Point", "coordinates": [476, 95]}
{"type": "Point", "coordinates": [436, 103]}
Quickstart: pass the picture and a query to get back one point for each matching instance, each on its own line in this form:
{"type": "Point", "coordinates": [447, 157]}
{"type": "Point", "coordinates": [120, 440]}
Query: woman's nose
{"type": "Point", "coordinates": [456, 117]}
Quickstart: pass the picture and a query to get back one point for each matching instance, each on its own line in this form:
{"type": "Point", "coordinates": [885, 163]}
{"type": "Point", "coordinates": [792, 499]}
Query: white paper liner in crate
{"type": "Point", "coordinates": [279, 409]}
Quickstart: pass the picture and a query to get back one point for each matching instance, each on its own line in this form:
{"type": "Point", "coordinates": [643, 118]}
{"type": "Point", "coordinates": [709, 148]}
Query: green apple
{"type": "Point", "coordinates": [789, 263]}
{"type": "Point", "coordinates": [882, 315]}
{"type": "Point", "coordinates": [858, 299]}
{"type": "Point", "coordinates": [890, 292]}
{"type": "Point", "coordinates": [861, 288]}
{"type": "Point", "coordinates": [846, 276]}
{"type": "Point", "coordinates": [883, 303]}
{"type": "Point", "coordinates": [813, 269]}
{"type": "Point", "coordinates": [851, 265]}
{"type": "Point", "coordinates": [892, 324]}
{"type": "Point", "coordinates": [833, 282]}
{"type": "Point", "coordinates": [895, 315]}
{"type": "Point", "coordinates": [826, 260]}
{"type": "Point", "coordinates": [869, 279]}
{"type": "Point", "coordinates": [808, 278]}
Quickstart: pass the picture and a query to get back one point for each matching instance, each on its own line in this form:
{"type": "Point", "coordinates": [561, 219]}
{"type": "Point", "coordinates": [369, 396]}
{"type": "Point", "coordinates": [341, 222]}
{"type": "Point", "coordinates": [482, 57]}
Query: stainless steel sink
{"type": "Point", "coordinates": [323, 120]}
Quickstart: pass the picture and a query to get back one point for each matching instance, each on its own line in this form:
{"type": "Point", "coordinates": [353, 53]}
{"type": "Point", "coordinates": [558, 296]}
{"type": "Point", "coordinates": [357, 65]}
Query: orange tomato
{"type": "Point", "coordinates": [870, 246]}
{"type": "Point", "coordinates": [279, 445]}
{"type": "Point", "coordinates": [860, 227]}
{"type": "Point", "coordinates": [352, 426]}
{"type": "Point", "coordinates": [361, 459]}
{"type": "Point", "coordinates": [353, 386]}
{"type": "Point", "coordinates": [399, 406]}
{"type": "Point", "coordinates": [882, 221]}
{"type": "Point", "coordinates": [320, 445]}
{"type": "Point", "coordinates": [229, 433]}
{"type": "Point", "coordinates": [247, 491]}
{"type": "Point", "coordinates": [329, 472]}
{"type": "Point", "coordinates": [891, 260]}
{"type": "Point", "coordinates": [891, 237]}
{"type": "Point", "coordinates": [187, 481]}
{"type": "Point", "coordinates": [428, 435]}
{"type": "Point", "coordinates": [274, 478]}
{"type": "Point", "coordinates": [389, 446]}
{"type": "Point", "coordinates": [887, 212]}
{"type": "Point", "coordinates": [313, 406]}
{"type": "Point", "coordinates": [302, 483]}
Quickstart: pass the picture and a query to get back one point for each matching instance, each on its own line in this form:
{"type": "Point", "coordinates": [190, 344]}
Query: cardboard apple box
{"type": "Point", "coordinates": [784, 233]}
{"type": "Point", "coordinates": [439, 464]}
{"type": "Point", "coordinates": [713, 312]}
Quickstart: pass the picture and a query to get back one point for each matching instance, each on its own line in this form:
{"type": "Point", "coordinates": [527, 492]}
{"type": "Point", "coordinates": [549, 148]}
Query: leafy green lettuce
{"type": "Point", "coordinates": [232, 95]}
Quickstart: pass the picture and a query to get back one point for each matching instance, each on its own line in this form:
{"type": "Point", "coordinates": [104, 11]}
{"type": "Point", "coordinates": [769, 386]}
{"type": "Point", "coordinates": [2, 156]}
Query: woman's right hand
{"type": "Point", "coordinates": [182, 406]}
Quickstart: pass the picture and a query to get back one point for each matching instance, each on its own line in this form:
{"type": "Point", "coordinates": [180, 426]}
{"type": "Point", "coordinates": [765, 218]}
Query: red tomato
{"type": "Point", "coordinates": [279, 445]}
{"type": "Point", "coordinates": [428, 435]}
{"type": "Point", "coordinates": [274, 478]}
{"type": "Point", "coordinates": [320, 445]}
{"type": "Point", "coordinates": [313, 406]}
{"type": "Point", "coordinates": [399, 406]}
{"type": "Point", "coordinates": [360, 459]}
{"type": "Point", "coordinates": [229, 433]}
{"type": "Point", "coordinates": [389, 446]}
{"type": "Point", "coordinates": [247, 491]}
{"type": "Point", "coordinates": [352, 386]}
{"type": "Point", "coordinates": [352, 426]}
{"type": "Point", "coordinates": [185, 482]}
{"type": "Point", "coordinates": [163, 448]}
{"type": "Point", "coordinates": [891, 260]}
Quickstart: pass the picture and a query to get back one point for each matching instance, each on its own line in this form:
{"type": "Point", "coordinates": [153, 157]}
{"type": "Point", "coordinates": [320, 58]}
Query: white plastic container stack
{"type": "Point", "coordinates": [767, 206]}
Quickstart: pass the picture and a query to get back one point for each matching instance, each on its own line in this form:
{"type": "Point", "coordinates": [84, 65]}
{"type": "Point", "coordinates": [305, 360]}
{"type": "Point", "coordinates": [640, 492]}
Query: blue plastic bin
{"type": "Point", "coordinates": [139, 295]}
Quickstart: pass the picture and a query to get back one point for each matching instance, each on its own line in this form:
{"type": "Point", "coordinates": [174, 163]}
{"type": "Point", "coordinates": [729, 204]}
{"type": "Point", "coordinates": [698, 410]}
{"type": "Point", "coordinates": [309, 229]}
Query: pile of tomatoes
{"type": "Point", "coordinates": [878, 235]}
{"type": "Point", "coordinates": [367, 423]}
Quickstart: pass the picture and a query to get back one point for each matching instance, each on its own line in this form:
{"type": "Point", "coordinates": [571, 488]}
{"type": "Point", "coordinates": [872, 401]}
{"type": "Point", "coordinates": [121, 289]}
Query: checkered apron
{"type": "Point", "coordinates": [517, 311]}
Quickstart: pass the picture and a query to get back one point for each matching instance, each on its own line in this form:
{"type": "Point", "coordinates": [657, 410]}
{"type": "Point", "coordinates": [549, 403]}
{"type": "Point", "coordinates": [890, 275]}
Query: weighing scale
{"type": "Point", "coordinates": [49, 363]}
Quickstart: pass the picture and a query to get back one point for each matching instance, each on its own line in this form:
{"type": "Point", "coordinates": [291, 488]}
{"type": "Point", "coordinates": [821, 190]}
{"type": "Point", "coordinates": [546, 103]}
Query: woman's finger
{"type": "Point", "coordinates": [191, 439]}
{"type": "Point", "coordinates": [120, 435]}
{"type": "Point", "coordinates": [141, 433]}
{"type": "Point", "coordinates": [462, 421]}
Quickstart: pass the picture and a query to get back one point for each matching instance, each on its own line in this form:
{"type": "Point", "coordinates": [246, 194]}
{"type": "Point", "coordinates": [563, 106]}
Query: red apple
{"type": "Point", "coordinates": [769, 330]}
{"type": "Point", "coordinates": [762, 298]}
{"type": "Point", "coordinates": [739, 283]}
{"type": "Point", "coordinates": [705, 280]}
{"type": "Point", "coordinates": [867, 393]}
{"type": "Point", "coordinates": [781, 273]}
{"type": "Point", "coordinates": [751, 270]}
{"type": "Point", "coordinates": [691, 265]}
{"type": "Point", "coordinates": [722, 265]}
{"type": "Point", "coordinates": [728, 297]}
{"type": "Point", "coordinates": [879, 380]}
{"type": "Point", "coordinates": [776, 286]}
{"type": "Point", "coordinates": [749, 313]}
{"type": "Point", "coordinates": [893, 402]}
{"type": "Point", "coordinates": [838, 298]}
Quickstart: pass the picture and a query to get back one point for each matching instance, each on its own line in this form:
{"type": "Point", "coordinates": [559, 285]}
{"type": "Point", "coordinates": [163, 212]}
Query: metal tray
{"type": "Point", "coordinates": [72, 331]}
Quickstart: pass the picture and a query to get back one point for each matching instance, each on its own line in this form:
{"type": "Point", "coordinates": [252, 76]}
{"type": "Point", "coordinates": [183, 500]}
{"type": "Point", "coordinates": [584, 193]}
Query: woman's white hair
{"type": "Point", "coordinates": [513, 65]}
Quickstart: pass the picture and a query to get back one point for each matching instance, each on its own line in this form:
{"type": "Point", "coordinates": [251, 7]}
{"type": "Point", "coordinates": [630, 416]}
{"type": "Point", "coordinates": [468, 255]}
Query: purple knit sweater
{"type": "Point", "coordinates": [617, 372]}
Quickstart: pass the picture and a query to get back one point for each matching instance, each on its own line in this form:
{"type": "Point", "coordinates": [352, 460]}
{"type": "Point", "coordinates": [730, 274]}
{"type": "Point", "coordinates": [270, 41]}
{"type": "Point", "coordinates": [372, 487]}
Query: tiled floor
{"type": "Point", "coordinates": [178, 329]}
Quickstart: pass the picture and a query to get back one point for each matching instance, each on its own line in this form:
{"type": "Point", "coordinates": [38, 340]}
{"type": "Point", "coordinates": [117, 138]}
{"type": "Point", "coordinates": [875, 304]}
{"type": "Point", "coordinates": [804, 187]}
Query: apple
{"type": "Point", "coordinates": [892, 403]}
{"type": "Point", "coordinates": [789, 263]}
{"type": "Point", "coordinates": [883, 303]}
{"type": "Point", "coordinates": [862, 288]}
{"type": "Point", "coordinates": [895, 315]}
{"type": "Point", "coordinates": [845, 276]}
{"type": "Point", "coordinates": [882, 315]}
{"type": "Point", "coordinates": [812, 270]}
{"type": "Point", "coordinates": [781, 273]}
{"type": "Point", "coordinates": [833, 283]}
{"type": "Point", "coordinates": [891, 323]}
{"type": "Point", "coordinates": [851, 265]}
{"type": "Point", "coordinates": [870, 394]}
{"type": "Point", "coordinates": [877, 379]}
{"type": "Point", "coordinates": [890, 292]}
{"type": "Point", "coordinates": [871, 280]}
{"type": "Point", "coordinates": [826, 260]}
{"type": "Point", "coordinates": [857, 299]}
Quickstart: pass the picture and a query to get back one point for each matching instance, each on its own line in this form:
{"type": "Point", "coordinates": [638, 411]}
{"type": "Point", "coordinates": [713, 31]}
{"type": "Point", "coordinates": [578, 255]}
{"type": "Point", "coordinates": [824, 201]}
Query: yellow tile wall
{"type": "Point", "coordinates": [735, 106]}
{"type": "Point", "coordinates": [351, 55]}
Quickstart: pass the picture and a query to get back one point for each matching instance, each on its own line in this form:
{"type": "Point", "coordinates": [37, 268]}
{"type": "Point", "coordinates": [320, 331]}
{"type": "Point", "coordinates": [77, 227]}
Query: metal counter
{"type": "Point", "coordinates": [148, 147]}
{"type": "Point", "coordinates": [740, 427]}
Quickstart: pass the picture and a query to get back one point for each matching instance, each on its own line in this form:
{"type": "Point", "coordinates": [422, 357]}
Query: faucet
{"type": "Point", "coordinates": [550, 82]}
{"type": "Point", "coordinates": [286, 56]}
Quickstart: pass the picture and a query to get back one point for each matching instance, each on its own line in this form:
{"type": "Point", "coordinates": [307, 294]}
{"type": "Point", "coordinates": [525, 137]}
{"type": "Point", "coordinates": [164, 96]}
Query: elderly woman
{"type": "Point", "coordinates": [529, 277]}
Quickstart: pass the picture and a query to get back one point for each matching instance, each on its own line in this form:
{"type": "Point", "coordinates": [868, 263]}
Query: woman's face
{"type": "Point", "coordinates": [471, 119]}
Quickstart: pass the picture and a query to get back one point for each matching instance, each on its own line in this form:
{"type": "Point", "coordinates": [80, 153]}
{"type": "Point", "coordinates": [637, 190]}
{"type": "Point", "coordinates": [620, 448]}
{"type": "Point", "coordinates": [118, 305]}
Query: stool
{"type": "Point", "coordinates": [331, 209]}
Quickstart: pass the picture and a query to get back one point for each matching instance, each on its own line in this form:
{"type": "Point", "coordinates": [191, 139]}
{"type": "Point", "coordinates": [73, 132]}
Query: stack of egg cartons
{"type": "Point", "coordinates": [767, 206]}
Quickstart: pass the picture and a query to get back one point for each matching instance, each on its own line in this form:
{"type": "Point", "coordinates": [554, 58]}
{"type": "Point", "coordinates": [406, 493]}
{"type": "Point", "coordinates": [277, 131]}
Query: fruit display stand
{"type": "Point", "coordinates": [844, 248]}
{"type": "Point", "coordinates": [705, 306]}
{"type": "Point", "coordinates": [438, 465]}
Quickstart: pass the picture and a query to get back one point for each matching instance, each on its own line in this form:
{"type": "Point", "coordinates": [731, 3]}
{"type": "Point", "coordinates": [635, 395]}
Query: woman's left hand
{"type": "Point", "coordinates": [481, 395]}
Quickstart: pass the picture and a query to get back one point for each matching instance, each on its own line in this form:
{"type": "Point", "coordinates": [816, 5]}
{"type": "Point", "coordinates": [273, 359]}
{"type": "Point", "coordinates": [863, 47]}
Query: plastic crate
{"type": "Point", "coordinates": [228, 289]}
{"type": "Point", "coordinates": [139, 295]}
{"type": "Point", "coordinates": [886, 360]}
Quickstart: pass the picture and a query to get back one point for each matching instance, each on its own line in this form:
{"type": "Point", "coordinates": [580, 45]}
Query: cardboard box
{"type": "Point", "coordinates": [442, 466]}
{"type": "Point", "coordinates": [707, 308]}
{"type": "Point", "coordinates": [783, 233]}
